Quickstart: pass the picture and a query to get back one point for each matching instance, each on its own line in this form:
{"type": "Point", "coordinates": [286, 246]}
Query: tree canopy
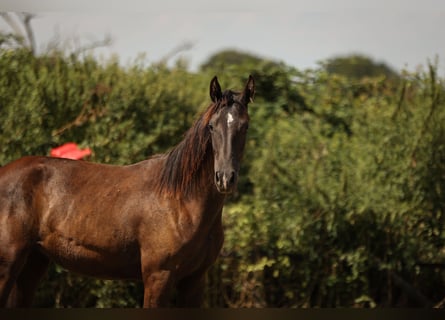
{"type": "Point", "coordinates": [358, 66]}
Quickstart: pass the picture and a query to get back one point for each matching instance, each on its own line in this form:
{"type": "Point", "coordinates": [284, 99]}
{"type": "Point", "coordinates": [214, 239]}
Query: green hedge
{"type": "Point", "coordinates": [340, 200]}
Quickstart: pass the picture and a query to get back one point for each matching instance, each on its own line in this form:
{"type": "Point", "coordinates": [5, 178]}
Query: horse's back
{"type": "Point", "coordinates": [23, 183]}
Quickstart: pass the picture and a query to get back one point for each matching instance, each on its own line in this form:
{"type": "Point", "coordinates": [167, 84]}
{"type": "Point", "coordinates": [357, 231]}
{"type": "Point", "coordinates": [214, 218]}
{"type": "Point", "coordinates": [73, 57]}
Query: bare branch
{"type": "Point", "coordinates": [187, 45]}
{"type": "Point", "coordinates": [23, 38]}
{"type": "Point", "coordinates": [26, 18]}
{"type": "Point", "coordinates": [12, 24]}
{"type": "Point", "coordinates": [412, 292]}
{"type": "Point", "coordinates": [106, 41]}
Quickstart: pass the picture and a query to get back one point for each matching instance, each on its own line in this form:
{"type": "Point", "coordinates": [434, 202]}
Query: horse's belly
{"type": "Point", "coordinates": [111, 261]}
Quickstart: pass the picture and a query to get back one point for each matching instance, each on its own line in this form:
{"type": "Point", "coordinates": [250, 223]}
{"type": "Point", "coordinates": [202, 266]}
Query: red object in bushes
{"type": "Point", "coordinates": [70, 150]}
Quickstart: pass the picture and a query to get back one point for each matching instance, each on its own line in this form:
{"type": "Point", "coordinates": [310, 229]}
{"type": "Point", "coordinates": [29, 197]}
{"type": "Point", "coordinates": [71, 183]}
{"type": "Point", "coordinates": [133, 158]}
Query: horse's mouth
{"type": "Point", "coordinates": [225, 191]}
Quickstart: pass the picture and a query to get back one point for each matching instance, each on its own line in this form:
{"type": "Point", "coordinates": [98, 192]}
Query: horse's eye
{"type": "Point", "coordinates": [210, 125]}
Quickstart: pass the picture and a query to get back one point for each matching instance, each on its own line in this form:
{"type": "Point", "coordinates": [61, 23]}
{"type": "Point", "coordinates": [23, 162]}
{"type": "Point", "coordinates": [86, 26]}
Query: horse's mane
{"type": "Point", "coordinates": [185, 168]}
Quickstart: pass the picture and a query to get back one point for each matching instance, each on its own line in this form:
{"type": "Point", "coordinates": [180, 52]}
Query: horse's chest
{"type": "Point", "coordinates": [200, 253]}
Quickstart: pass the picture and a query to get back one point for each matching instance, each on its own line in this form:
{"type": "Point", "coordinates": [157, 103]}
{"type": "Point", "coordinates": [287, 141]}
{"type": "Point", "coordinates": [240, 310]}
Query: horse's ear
{"type": "Point", "coordinates": [249, 91]}
{"type": "Point", "coordinates": [215, 90]}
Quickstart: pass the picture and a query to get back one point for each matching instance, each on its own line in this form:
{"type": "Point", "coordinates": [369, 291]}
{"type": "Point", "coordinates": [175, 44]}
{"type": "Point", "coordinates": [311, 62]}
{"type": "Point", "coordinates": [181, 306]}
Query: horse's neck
{"type": "Point", "coordinates": [206, 204]}
{"type": "Point", "coordinates": [188, 176]}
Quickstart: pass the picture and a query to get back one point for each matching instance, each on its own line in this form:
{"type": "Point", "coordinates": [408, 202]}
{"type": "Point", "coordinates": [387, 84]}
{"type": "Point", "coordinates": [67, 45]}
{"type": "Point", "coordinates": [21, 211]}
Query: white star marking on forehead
{"type": "Point", "coordinates": [229, 118]}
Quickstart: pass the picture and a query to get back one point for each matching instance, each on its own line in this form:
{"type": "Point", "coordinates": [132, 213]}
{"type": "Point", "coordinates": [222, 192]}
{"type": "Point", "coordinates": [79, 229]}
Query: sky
{"type": "Point", "coordinates": [300, 33]}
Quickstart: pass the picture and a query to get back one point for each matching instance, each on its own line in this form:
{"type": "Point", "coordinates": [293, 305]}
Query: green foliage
{"type": "Point", "coordinates": [123, 114]}
{"type": "Point", "coordinates": [230, 57]}
{"type": "Point", "coordinates": [340, 199]}
{"type": "Point", "coordinates": [346, 194]}
{"type": "Point", "coordinates": [357, 67]}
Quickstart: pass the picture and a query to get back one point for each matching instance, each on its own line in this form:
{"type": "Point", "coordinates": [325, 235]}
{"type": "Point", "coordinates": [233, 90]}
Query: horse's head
{"type": "Point", "coordinates": [228, 127]}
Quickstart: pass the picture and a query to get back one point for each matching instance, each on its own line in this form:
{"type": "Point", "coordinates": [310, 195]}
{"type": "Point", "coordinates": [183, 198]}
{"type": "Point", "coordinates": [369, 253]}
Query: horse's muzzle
{"type": "Point", "coordinates": [225, 181]}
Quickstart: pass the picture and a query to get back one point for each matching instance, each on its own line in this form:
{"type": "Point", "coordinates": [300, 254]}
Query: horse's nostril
{"type": "Point", "coordinates": [232, 178]}
{"type": "Point", "coordinates": [225, 180]}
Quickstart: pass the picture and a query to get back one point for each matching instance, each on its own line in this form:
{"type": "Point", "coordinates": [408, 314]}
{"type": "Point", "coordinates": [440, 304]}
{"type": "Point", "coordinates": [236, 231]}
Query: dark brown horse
{"type": "Point", "coordinates": [158, 220]}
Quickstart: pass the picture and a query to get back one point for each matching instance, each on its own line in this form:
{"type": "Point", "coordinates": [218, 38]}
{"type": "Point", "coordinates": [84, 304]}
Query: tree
{"type": "Point", "coordinates": [357, 67]}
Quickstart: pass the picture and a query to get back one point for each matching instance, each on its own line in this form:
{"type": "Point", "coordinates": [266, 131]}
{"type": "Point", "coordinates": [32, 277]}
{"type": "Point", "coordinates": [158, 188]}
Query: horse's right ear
{"type": "Point", "coordinates": [249, 91]}
{"type": "Point", "coordinates": [215, 90]}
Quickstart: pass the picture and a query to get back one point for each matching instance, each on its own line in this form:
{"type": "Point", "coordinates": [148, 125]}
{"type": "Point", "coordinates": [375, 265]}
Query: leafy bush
{"type": "Point", "coordinates": [340, 199]}
{"type": "Point", "coordinates": [345, 209]}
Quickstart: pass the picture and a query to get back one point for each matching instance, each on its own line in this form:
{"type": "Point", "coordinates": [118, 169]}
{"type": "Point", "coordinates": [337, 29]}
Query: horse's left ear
{"type": "Point", "coordinates": [249, 91]}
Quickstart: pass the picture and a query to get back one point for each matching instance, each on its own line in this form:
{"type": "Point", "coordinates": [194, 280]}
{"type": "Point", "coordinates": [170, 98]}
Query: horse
{"type": "Point", "coordinates": [158, 221]}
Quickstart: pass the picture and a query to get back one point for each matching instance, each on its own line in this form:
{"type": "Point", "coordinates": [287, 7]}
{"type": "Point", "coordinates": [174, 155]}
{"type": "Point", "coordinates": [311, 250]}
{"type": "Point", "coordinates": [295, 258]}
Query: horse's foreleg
{"type": "Point", "coordinates": [157, 288]}
{"type": "Point", "coordinates": [191, 291]}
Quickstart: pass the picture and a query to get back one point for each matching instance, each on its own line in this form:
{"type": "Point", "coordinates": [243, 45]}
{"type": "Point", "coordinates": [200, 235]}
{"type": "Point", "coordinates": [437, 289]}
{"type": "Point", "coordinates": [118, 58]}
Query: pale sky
{"type": "Point", "coordinates": [297, 32]}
